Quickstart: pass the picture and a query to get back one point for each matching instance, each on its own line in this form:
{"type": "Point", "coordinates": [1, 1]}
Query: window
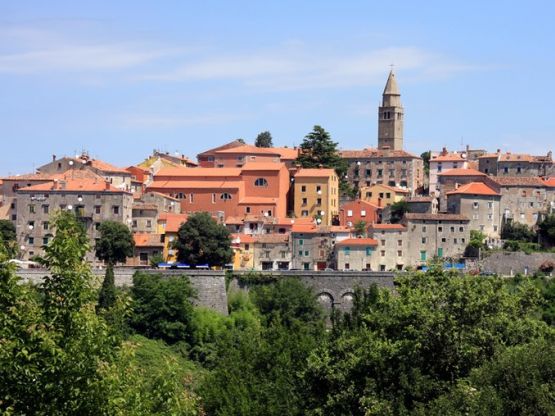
{"type": "Point", "coordinates": [45, 209]}
{"type": "Point", "coordinates": [225, 196]}
{"type": "Point", "coordinates": [319, 201]}
{"type": "Point", "coordinates": [31, 209]}
{"type": "Point", "coordinates": [115, 209]}
{"type": "Point", "coordinates": [423, 240]}
{"type": "Point", "coordinates": [423, 228]}
{"type": "Point", "coordinates": [439, 229]}
{"type": "Point", "coordinates": [304, 213]}
{"type": "Point", "coordinates": [31, 240]}
{"type": "Point", "coordinates": [148, 223]}
{"type": "Point", "coordinates": [369, 251]}
{"type": "Point", "coordinates": [304, 201]}
{"type": "Point", "coordinates": [303, 188]}
{"type": "Point", "coordinates": [490, 205]}
{"type": "Point", "coordinates": [382, 242]}
{"type": "Point", "coordinates": [349, 213]}
{"type": "Point", "coordinates": [300, 252]}
{"type": "Point", "coordinates": [45, 225]}
{"type": "Point", "coordinates": [191, 198]}
{"type": "Point", "coordinates": [306, 253]}
{"type": "Point", "coordinates": [380, 173]}
{"type": "Point", "coordinates": [363, 213]}
{"type": "Point", "coordinates": [134, 223]}
{"type": "Point", "coordinates": [181, 195]}
{"type": "Point", "coordinates": [248, 210]}
{"type": "Point", "coordinates": [97, 209]}
{"type": "Point", "coordinates": [347, 251]}
{"type": "Point", "coordinates": [443, 240]}
{"type": "Point", "coordinates": [368, 172]}
{"type": "Point", "coordinates": [261, 182]}
{"type": "Point", "coordinates": [318, 189]}
{"type": "Point", "coordinates": [399, 253]}
{"type": "Point", "coordinates": [452, 229]}
{"type": "Point", "coordinates": [440, 252]}
{"type": "Point", "coordinates": [423, 255]}
{"type": "Point", "coordinates": [475, 205]}
{"type": "Point", "coordinates": [506, 169]}
{"type": "Point", "coordinates": [461, 229]}
{"type": "Point", "coordinates": [213, 198]}
{"type": "Point", "coordinates": [45, 241]}
{"type": "Point", "coordinates": [455, 241]}
{"type": "Point", "coordinates": [301, 242]}
{"type": "Point", "coordinates": [382, 253]}
{"type": "Point", "coordinates": [347, 266]}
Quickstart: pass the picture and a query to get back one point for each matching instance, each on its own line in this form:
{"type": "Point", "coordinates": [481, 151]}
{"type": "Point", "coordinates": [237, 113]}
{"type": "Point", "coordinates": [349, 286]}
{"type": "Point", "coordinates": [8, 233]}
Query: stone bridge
{"type": "Point", "coordinates": [333, 289]}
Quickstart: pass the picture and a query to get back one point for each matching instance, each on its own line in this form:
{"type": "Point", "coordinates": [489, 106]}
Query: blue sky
{"type": "Point", "coordinates": [120, 78]}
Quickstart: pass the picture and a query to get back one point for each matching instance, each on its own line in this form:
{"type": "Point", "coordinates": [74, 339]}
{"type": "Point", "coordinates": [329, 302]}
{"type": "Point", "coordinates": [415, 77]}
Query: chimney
{"type": "Point", "coordinates": [498, 151]}
{"type": "Point", "coordinates": [53, 158]}
{"type": "Point", "coordinates": [444, 151]}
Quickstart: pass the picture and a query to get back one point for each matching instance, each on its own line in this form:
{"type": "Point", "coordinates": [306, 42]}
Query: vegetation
{"type": "Point", "coordinates": [476, 244]}
{"type": "Point", "coordinates": [398, 211]}
{"type": "Point", "coordinates": [264, 139]}
{"type": "Point", "coordinates": [546, 230]}
{"type": "Point", "coordinates": [426, 161]}
{"type": "Point", "coordinates": [8, 238]}
{"type": "Point", "coordinates": [443, 344]}
{"type": "Point", "coordinates": [201, 240]}
{"type": "Point", "coordinates": [361, 228]}
{"type": "Point", "coordinates": [114, 245]}
{"type": "Point", "coordinates": [517, 231]}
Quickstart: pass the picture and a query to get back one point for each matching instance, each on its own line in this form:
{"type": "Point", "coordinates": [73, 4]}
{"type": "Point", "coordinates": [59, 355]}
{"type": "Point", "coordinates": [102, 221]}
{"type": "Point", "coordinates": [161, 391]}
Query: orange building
{"type": "Point", "coordinates": [168, 226]}
{"type": "Point", "coordinates": [317, 194]}
{"type": "Point", "coordinates": [355, 211]}
{"type": "Point", "coordinates": [237, 154]}
{"type": "Point", "coordinates": [255, 188]}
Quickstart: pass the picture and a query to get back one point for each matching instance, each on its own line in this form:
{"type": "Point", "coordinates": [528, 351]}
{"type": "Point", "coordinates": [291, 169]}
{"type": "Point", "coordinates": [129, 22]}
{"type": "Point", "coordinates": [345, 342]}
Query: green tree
{"type": "Point", "coordinates": [395, 353]}
{"type": "Point", "coordinates": [264, 139]}
{"type": "Point", "coordinates": [546, 230]}
{"type": "Point", "coordinates": [162, 307]}
{"type": "Point", "coordinates": [8, 237]}
{"type": "Point", "coordinates": [398, 211]}
{"type": "Point", "coordinates": [361, 228]}
{"type": "Point", "coordinates": [257, 369]}
{"type": "Point", "coordinates": [201, 240]}
{"type": "Point", "coordinates": [114, 245]}
{"type": "Point", "coordinates": [318, 149]}
{"type": "Point", "coordinates": [426, 161]}
{"type": "Point", "coordinates": [476, 243]}
{"type": "Point", "coordinates": [517, 231]}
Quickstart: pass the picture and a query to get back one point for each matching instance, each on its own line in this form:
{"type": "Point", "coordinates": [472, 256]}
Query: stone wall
{"type": "Point", "coordinates": [509, 263]}
{"type": "Point", "coordinates": [333, 289]}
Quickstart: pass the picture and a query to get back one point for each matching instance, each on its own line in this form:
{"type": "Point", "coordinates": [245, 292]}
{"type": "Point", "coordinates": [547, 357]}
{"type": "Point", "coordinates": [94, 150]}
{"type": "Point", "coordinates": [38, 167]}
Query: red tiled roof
{"type": "Point", "coordinates": [183, 171]}
{"type": "Point", "coordinates": [287, 153]}
{"type": "Point", "coordinates": [173, 221]}
{"type": "Point", "coordinates": [314, 173]}
{"type": "Point", "coordinates": [106, 167]}
{"type": "Point", "coordinates": [388, 227]}
{"type": "Point", "coordinates": [73, 185]}
{"type": "Point", "coordinates": [248, 149]}
{"type": "Point", "coordinates": [358, 242]}
{"type": "Point", "coordinates": [262, 166]}
{"type": "Point", "coordinates": [449, 157]}
{"type": "Point", "coordinates": [358, 203]}
{"type": "Point", "coordinates": [193, 184]}
{"type": "Point", "coordinates": [147, 240]}
{"type": "Point", "coordinates": [234, 143]}
{"type": "Point", "coordinates": [519, 181]}
{"type": "Point", "coordinates": [474, 188]}
{"type": "Point", "coordinates": [550, 182]}
{"type": "Point", "coordinates": [462, 172]}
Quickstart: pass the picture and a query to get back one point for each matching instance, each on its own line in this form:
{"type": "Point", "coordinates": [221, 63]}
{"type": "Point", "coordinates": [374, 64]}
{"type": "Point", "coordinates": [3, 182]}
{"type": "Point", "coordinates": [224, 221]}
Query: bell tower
{"type": "Point", "coordinates": [390, 117]}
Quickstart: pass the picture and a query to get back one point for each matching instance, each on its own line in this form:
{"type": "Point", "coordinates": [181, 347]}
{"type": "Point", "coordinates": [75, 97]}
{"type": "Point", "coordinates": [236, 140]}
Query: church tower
{"type": "Point", "coordinates": [390, 117]}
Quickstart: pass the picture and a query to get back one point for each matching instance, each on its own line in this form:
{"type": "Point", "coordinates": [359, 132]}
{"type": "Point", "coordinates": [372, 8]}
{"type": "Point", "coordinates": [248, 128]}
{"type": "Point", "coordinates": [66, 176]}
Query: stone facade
{"type": "Point", "coordinates": [272, 252]}
{"type": "Point", "coordinates": [441, 235]}
{"type": "Point", "coordinates": [515, 164]}
{"type": "Point", "coordinates": [356, 254]}
{"type": "Point", "coordinates": [442, 162]}
{"type": "Point", "coordinates": [392, 250]}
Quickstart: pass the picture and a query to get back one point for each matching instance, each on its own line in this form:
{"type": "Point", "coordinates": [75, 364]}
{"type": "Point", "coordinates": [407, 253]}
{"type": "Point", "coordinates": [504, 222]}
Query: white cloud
{"type": "Point", "coordinates": [300, 67]}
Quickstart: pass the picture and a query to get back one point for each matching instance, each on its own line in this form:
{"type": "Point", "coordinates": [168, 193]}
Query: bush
{"type": "Point", "coordinates": [162, 307]}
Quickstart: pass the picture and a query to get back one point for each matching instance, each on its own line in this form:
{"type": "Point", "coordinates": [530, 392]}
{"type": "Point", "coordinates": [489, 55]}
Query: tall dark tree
{"type": "Point", "coordinates": [115, 245]}
{"type": "Point", "coordinates": [201, 240]}
{"type": "Point", "coordinates": [318, 149]}
{"type": "Point", "coordinates": [546, 230]}
{"type": "Point", "coordinates": [398, 210]}
{"type": "Point", "coordinates": [8, 237]}
{"type": "Point", "coordinates": [426, 161]}
{"type": "Point", "coordinates": [264, 139]}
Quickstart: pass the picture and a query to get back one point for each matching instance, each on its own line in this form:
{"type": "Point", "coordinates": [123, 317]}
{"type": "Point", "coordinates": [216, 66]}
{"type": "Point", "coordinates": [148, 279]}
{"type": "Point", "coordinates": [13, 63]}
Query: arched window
{"type": "Point", "coordinates": [225, 196]}
{"type": "Point", "coordinates": [261, 182]}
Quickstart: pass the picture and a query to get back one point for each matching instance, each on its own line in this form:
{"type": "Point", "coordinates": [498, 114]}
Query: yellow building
{"type": "Point", "coordinates": [382, 195]}
{"type": "Point", "coordinates": [316, 194]}
{"type": "Point", "coordinates": [168, 226]}
{"type": "Point", "coordinates": [243, 251]}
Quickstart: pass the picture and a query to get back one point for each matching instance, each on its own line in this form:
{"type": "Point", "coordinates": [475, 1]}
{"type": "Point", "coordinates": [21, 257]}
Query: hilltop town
{"type": "Point", "coordinates": [380, 209]}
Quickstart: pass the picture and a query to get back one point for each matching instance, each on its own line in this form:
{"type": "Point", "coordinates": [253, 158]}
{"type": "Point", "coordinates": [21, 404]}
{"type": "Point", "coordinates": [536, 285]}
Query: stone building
{"type": "Point", "coordinates": [92, 199]}
{"type": "Point", "coordinates": [481, 204]}
{"type": "Point", "coordinates": [356, 254]}
{"type": "Point", "coordinates": [430, 235]}
{"type": "Point", "coordinates": [516, 164]}
{"type": "Point", "coordinates": [396, 168]}
{"type": "Point", "coordinates": [451, 179]}
{"type": "Point", "coordinates": [422, 204]}
{"type": "Point", "coordinates": [444, 161]}
{"type": "Point", "coordinates": [147, 247]}
{"type": "Point", "coordinates": [316, 194]}
{"type": "Point", "coordinates": [523, 199]}
{"type": "Point", "coordinates": [118, 177]}
{"type": "Point", "coordinates": [389, 164]}
{"type": "Point", "coordinates": [392, 249]}
{"type": "Point", "coordinates": [313, 246]}
{"type": "Point", "coordinates": [272, 252]}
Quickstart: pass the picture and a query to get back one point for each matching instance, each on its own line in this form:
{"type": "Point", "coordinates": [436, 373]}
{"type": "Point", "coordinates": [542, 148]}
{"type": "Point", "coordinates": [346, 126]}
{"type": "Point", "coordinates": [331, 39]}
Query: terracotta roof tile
{"type": "Point", "coordinates": [194, 184]}
{"type": "Point", "coordinates": [358, 242]}
{"type": "Point", "coordinates": [73, 185]}
{"type": "Point", "coordinates": [172, 221]}
{"type": "Point", "coordinates": [474, 188]}
{"type": "Point", "coordinates": [550, 182]}
{"type": "Point", "coordinates": [449, 157]}
{"type": "Point", "coordinates": [462, 172]}
{"type": "Point", "coordinates": [315, 173]}
{"type": "Point", "coordinates": [262, 166]}
{"type": "Point", "coordinates": [248, 149]}
{"type": "Point", "coordinates": [375, 153]}
{"type": "Point", "coordinates": [399, 227]}
{"type": "Point", "coordinates": [271, 238]}
{"type": "Point", "coordinates": [197, 172]}
{"type": "Point", "coordinates": [147, 240]}
{"type": "Point", "coordinates": [243, 238]}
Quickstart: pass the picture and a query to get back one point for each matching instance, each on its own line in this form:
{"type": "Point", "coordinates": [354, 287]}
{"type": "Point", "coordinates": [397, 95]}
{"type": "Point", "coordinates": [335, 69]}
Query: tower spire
{"type": "Point", "coordinates": [390, 116]}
